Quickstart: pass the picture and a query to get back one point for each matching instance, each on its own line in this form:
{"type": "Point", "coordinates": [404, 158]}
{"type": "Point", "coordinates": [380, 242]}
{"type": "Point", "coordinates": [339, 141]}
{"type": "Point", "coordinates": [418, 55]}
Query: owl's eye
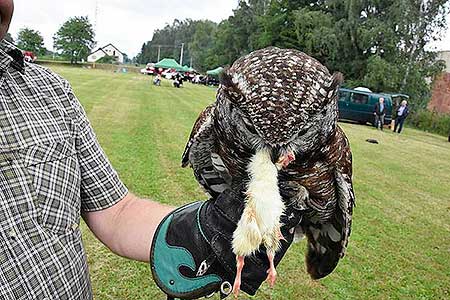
{"type": "Point", "coordinates": [302, 132]}
{"type": "Point", "coordinates": [248, 124]}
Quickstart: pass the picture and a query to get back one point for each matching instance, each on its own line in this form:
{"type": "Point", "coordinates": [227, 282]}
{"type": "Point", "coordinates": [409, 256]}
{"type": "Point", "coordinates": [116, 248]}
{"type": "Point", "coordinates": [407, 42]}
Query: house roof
{"type": "Point", "coordinates": [98, 50]}
{"type": "Point", "coordinates": [114, 48]}
{"type": "Point", "coordinates": [101, 49]}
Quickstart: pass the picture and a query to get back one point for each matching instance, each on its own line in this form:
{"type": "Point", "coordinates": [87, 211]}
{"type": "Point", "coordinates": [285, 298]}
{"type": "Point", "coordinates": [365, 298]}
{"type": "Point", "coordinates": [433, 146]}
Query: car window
{"type": "Point", "coordinates": [359, 98]}
{"type": "Point", "coordinates": [343, 95]}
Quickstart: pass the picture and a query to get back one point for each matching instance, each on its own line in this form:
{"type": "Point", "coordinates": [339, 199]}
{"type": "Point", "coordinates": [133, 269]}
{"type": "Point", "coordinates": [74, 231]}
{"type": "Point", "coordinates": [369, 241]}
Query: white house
{"type": "Point", "coordinates": [108, 50]}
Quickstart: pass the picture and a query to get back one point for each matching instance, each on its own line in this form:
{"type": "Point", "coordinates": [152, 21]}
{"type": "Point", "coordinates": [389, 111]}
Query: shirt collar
{"type": "Point", "coordinates": [10, 55]}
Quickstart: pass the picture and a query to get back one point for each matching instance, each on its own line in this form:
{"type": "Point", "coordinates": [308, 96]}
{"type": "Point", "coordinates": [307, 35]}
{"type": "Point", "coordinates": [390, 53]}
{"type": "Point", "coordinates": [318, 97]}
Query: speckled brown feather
{"type": "Point", "coordinates": [278, 99]}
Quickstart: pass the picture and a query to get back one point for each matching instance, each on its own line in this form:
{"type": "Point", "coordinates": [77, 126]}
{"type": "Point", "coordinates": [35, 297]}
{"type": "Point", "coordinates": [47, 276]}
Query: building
{"type": "Point", "coordinates": [445, 56]}
{"type": "Point", "coordinates": [440, 95]}
{"type": "Point", "coordinates": [108, 50]}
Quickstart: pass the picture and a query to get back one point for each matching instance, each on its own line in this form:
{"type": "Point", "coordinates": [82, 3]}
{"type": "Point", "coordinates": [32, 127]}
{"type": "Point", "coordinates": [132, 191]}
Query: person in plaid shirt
{"type": "Point", "coordinates": [53, 172]}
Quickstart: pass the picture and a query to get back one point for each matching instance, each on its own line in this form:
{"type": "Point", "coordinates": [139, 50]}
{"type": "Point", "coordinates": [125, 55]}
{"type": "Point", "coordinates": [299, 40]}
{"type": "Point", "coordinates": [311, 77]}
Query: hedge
{"type": "Point", "coordinates": [430, 121]}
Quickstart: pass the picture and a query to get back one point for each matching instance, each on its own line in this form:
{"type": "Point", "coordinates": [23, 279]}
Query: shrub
{"type": "Point", "coordinates": [430, 121]}
{"type": "Point", "coordinates": [107, 60]}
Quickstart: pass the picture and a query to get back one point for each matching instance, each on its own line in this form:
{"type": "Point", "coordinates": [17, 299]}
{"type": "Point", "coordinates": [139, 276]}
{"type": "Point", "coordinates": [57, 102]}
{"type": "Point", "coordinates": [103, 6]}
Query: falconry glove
{"type": "Point", "coordinates": [191, 254]}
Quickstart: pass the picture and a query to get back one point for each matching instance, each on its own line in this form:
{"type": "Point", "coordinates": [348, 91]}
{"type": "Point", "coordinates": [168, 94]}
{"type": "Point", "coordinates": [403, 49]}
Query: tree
{"type": "Point", "coordinates": [378, 44]}
{"type": "Point", "coordinates": [201, 42]}
{"type": "Point", "coordinates": [31, 40]}
{"type": "Point", "coordinates": [316, 34]}
{"type": "Point", "coordinates": [419, 22]}
{"type": "Point", "coordinates": [75, 38]}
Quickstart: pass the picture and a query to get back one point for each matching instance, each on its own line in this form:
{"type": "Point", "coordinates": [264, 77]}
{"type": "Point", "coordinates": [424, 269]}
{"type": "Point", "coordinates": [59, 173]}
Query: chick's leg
{"type": "Point", "coordinates": [246, 238]}
{"type": "Point", "coordinates": [237, 279]}
{"type": "Point", "coordinates": [272, 244]}
{"type": "Point", "coordinates": [271, 273]}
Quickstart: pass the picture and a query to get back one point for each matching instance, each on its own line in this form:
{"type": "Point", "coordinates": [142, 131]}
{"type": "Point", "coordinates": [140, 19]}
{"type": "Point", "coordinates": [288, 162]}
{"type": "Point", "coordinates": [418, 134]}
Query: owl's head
{"type": "Point", "coordinates": [283, 98]}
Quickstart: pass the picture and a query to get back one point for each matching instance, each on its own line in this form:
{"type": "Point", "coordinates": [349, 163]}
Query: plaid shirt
{"type": "Point", "coordinates": [51, 169]}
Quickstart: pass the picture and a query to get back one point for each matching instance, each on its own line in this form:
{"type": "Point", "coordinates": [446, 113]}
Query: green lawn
{"type": "Point", "coordinates": [400, 245]}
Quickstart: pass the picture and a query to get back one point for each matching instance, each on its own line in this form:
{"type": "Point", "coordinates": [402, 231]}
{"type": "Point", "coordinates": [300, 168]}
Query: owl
{"type": "Point", "coordinates": [272, 136]}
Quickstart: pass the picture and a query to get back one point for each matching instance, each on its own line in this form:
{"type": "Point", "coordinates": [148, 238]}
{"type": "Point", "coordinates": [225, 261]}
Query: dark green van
{"type": "Point", "coordinates": [358, 106]}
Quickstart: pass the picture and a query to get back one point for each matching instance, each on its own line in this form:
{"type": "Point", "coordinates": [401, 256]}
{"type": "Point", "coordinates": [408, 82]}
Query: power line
{"type": "Point", "coordinates": [164, 46]}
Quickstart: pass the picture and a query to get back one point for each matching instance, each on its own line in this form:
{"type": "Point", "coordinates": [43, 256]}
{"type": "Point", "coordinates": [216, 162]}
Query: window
{"type": "Point", "coordinates": [343, 95]}
{"type": "Point", "coordinates": [359, 98]}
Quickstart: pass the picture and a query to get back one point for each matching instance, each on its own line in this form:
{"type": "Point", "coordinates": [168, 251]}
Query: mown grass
{"type": "Point", "coordinates": [400, 245]}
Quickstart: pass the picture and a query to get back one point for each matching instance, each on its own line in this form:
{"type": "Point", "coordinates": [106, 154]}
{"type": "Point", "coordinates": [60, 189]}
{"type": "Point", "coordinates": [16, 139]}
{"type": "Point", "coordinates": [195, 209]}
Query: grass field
{"type": "Point", "coordinates": [400, 245]}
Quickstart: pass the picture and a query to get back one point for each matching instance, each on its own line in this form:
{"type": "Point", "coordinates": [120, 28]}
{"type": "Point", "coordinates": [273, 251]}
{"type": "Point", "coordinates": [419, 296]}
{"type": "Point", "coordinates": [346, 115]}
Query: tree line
{"type": "Point", "coordinates": [378, 44]}
{"type": "Point", "coordinates": [74, 40]}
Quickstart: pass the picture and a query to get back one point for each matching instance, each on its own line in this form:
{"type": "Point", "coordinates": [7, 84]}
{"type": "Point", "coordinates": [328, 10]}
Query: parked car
{"type": "Point", "coordinates": [29, 56]}
{"type": "Point", "coordinates": [149, 70]}
{"type": "Point", "coordinates": [359, 106]}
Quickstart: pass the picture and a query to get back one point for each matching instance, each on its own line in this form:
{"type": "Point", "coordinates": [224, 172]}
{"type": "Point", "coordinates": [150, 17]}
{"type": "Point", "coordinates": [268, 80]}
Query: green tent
{"type": "Point", "coordinates": [187, 69]}
{"type": "Point", "coordinates": [215, 72]}
{"type": "Point", "coordinates": [169, 63]}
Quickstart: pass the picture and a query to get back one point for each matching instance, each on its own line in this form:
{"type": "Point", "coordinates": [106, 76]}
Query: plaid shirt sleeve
{"type": "Point", "coordinates": [100, 184]}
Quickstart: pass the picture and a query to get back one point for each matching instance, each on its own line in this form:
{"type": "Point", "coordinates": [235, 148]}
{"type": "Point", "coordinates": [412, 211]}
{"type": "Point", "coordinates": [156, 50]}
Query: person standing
{"type": "Point", "coordinates": [402, 113]}
{"type": "Point", "coordinates": [379, 112]}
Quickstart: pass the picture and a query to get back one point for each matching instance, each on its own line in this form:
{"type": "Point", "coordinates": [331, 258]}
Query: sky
{"type": "Point", "coordinates": [128, 23]}
{"type": "Point", "coordinates": [444, 43]}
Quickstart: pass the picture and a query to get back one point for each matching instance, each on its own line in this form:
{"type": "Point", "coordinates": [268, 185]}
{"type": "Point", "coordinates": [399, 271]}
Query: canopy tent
{"type": "Point", "coordinates": [215, 72]}
{"type": "Point", "coordinates": [187, 69]}
{"type": "Point", "coordinates": [168, 63]}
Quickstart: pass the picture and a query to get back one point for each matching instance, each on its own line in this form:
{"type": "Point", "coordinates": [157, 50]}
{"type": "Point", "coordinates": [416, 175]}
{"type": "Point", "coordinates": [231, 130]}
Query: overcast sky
{"type": "Point", "coordinates": [125, 23]}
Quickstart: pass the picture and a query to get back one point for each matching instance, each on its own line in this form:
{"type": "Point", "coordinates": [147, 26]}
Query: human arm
{"type": "Point", "coordinates": [122, 221]}
{"type": "Point", "coordinates": [127, 227]}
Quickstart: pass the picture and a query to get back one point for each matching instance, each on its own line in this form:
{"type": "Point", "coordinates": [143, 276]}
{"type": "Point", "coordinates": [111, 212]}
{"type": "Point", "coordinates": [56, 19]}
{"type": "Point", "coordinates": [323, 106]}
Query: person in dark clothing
{"type": "Point", "coordinates": [379, 112]}
{"type": "Point", "coordinates": [178, 82]}
{"type": "Point", "coordinates": [402, 113]}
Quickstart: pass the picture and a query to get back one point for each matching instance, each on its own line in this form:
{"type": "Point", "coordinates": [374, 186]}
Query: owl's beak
{"type": "Point", "coordinates": [285, 160]}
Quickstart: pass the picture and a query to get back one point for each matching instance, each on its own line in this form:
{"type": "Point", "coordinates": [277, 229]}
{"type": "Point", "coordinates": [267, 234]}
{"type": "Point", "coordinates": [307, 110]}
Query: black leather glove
{"type": "Point", "coordinates": [191, 255]}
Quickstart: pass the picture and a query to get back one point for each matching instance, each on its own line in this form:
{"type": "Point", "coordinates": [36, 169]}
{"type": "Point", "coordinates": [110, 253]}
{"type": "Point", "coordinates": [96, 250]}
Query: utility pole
{"type": "Point", "coordinates": [159, 52]}
{"type": "Point", "coordinates": [181, 56]}
{"type": "Point", "coordinates": [96, 15]}
{"type": "Point", "coordinates": [191, 63]}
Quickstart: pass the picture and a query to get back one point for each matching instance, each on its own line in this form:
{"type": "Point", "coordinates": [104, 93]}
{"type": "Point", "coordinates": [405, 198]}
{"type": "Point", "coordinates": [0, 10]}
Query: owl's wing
{"type": "Point", "coordinates": [200, 154]}
{"type": "Point", "coordinates": [328, 241]}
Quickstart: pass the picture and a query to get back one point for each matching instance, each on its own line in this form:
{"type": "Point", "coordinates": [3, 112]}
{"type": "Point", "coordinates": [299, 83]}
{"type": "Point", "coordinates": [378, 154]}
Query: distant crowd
{"type": "Point", "coordinates": [178, 78]}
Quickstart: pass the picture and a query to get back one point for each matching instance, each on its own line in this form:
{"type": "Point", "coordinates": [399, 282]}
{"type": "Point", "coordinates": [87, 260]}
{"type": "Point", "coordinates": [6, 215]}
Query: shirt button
{"type": "Point", "coordinates": [12, 233]}
{"type": "Point", "coordinates": [74, 226]}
